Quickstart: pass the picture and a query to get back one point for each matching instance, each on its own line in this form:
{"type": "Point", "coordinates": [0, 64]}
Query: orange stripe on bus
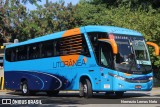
{"type": "Point", "coordinates": [71, 32]}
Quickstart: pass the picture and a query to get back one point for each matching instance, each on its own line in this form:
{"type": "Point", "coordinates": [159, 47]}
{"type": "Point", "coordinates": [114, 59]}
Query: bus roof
{"type": "Point", "coordinates": [112, 29]}
{"type": "Point", "coordinates": [91, 28]}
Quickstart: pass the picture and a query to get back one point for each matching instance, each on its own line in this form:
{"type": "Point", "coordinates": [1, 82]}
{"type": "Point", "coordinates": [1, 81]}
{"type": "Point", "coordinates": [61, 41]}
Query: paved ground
{"type": "Point", "coordinates": [65, 98]}
{"type": "Point", "coordinates": [1, 72]}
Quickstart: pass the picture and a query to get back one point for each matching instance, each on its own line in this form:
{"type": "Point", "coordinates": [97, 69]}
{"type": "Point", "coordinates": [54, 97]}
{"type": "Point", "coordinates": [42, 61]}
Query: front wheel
{"type": "Point", "coordinates": [86, 89]}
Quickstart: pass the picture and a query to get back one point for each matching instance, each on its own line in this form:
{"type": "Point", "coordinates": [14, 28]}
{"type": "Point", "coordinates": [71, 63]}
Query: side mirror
{"type": "Point", "coordinates": [156, 47]}
{"type": "Point", "coordinates": [112, 43]}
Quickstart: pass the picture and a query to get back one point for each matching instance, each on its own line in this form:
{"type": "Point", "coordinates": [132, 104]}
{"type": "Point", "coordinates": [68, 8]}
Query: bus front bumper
{"type": "Point", "coordinates": [120, 85]}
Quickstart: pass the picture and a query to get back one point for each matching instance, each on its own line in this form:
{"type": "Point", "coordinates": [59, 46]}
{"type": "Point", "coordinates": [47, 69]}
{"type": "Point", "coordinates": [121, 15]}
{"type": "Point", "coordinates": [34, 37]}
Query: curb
{"type": "Point", "coordinates": [6, 91]}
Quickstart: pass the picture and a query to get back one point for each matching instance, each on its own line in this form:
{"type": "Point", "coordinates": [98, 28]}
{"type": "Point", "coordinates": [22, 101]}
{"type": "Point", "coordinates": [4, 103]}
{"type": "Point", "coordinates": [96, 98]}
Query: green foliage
{"type": "Point", "coordinates": [22, 24]}
{"type": "Point", "coordinates": [146, 22]}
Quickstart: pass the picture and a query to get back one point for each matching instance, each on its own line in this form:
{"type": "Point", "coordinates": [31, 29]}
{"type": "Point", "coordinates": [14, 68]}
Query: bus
{"type": "Point", "coordinates": [86, 59]}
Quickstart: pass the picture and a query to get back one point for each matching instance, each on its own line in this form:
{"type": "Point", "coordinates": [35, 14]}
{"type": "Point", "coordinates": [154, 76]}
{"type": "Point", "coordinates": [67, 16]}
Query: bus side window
{"type": "Point", "coordinates": [16, 54]}
{"type": "Point", "coordinates": [13, 55]}
{"type": "Point", "coordinates": [47, 49]}
{"type": "Point", "coordinates": [50, 51]}
{"type": "Point", "coordinates": [22, 53]}
{"type": "Point", "coordinates": [93, 37]}
{"type": "Point", "coordinates": [57, 48]}
{"type": "Point", "coordinates": [34, 51]}
{"type": "Point", "coordinates": [8, 54]}
{"type": "Point", "coordinates": [42, 54]}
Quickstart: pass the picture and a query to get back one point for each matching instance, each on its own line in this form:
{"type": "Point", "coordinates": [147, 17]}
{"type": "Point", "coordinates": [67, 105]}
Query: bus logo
{"type": "Point", "coordinates": [6, 101]}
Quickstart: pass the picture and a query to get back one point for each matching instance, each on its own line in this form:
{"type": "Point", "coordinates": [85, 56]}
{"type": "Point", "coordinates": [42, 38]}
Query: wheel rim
{"type": "Point", "coordinates": [24, 88]}
{"type": "Point", "coordinates": [85, 88]}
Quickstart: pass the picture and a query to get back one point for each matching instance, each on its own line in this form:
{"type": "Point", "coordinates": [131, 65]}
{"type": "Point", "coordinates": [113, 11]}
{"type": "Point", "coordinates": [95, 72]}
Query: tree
{"type": "Point", "coordinates": [146, 22]}
{"type": "Point", "coordinates": [133, 4]}
{"type": "Point", "coordinates": [13, 13]}
{"type": "Point", "coordinates": [31, 1]}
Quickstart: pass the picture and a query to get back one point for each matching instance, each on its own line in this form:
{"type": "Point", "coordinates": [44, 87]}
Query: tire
{"type": "Point", "coordinates": [86, 89]}
{"type": "Point", "coordinates": [25, 90]}
{"type": "Point", "coordinates": [119, 94]}
{"type": "Point", "coordinates": [52, 93]}
{"type": "Point", "coordinates": [81, 89]}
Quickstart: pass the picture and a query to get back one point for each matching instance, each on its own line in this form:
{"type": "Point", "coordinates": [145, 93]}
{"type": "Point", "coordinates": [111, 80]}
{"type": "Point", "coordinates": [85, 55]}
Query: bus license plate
{"type": "Point", "coordinates": [138, 86]}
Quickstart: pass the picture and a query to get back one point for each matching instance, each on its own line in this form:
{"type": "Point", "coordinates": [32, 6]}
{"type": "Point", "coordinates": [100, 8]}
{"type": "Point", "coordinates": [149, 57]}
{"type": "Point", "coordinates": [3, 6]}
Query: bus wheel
{"type": "Point", "coordinates": [52, 93]}
{"type": "Point", "coordinates": [119, 94]}
{"type": "Point", "coordinates": [25, 90]}
{"type": "Point", "coordinates": [81, 89]}
{"type": "Point", "coordinates": [87, 89]}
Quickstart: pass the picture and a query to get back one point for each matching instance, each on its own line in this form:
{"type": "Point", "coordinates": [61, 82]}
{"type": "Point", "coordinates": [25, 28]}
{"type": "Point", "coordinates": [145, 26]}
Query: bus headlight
{"type": "Point", "coordinates": [119, 77]}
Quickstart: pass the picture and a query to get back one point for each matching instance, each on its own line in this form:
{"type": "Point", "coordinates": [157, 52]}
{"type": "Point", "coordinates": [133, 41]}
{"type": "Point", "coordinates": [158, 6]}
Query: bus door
{"type": "Point", "coordinates": [106, 61]}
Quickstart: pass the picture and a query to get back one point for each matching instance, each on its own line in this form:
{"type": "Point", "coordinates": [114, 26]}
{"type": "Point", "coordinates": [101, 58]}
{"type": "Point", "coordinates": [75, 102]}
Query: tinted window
{"type": "Point", "coordinates": [71, 45]}
{"type": "Point", "coordinates": [47, 49]}
{"type": "Point", "coordinates": [21, 53]}
{"type": "Point", "coordinates": [34, 51]}
{"type": "Point", "coordinates": [93, 37]}
{"type": "Point", "coordinates": [8, 54]}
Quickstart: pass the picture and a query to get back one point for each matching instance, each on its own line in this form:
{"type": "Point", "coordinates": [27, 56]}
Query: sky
{"type": "Point", "coordinates": [32, 7]}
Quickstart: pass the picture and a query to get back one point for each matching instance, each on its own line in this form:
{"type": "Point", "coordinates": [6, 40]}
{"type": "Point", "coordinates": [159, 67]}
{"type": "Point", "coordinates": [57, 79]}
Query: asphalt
{"type": "Point", "coordinates": [154, 91]}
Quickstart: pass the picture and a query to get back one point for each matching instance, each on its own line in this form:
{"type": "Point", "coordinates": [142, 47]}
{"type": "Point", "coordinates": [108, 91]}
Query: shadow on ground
{"type": "Point", "coordinates": [76, 95]}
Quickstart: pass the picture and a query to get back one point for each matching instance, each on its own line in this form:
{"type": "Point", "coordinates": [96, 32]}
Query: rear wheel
{"type": "Point", "coordinates": [25, 90]}
{"type": "Point", "coordinates": [86, 89]}
{"type": "Point", "coordinates": [81, 89]}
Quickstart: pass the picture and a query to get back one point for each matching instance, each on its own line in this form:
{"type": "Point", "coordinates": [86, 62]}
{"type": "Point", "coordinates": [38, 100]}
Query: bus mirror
{"type": "Point", "coordinates": [112, 43]}
{"type": "Point", "coordinates": [156, 47]}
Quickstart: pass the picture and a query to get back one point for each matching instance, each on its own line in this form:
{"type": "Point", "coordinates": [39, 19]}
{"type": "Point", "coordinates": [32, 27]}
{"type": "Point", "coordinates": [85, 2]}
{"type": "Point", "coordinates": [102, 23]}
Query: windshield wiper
{"type": "Point", "coordinates": [143, 66]}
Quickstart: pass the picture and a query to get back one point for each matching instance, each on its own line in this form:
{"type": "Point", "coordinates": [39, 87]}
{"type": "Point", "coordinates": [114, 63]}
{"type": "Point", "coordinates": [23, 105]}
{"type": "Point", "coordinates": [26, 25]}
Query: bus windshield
{"type": "Point", "coordinates": [141, 52]}
{"type": "Point", "coordinates": [128, 50]}
{"type": "Point", "coordinates": [133, 56]}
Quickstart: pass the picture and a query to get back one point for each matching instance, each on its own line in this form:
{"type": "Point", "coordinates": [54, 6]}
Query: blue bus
{"type": "Point", "coordinates": [88, 59]}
